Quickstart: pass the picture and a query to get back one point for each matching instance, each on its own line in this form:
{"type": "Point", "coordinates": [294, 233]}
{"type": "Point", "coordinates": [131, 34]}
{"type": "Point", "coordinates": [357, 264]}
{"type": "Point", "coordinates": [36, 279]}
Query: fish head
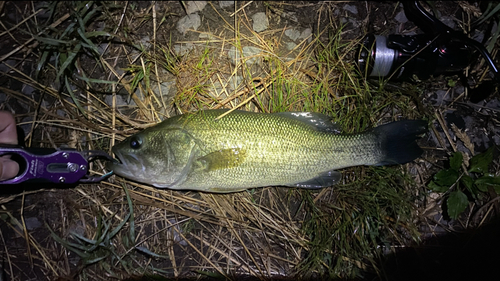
{"type": "Point", "coordinates": [159, 157]}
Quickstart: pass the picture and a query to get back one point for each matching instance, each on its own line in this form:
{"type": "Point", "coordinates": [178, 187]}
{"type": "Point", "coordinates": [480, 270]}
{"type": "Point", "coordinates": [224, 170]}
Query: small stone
{"type": "Point", "coordinates": [234, 82]}
{"type": "Point", "coordinates": [351, 8]}
{"type": "Point", "coordinates": [120, 101]}
{"type": "Point", "coordinates": [32, 223]}
{"type": "Point", "coordinates": [194, 6]}
{"type": "Point", "coordinates": [215, 90]}
{"type": "Point", "coordinates": [167, 88]}
{"type": "Point", "coordinates": [292, 34]}
{"type": "Point", "coordinates": [401, 17]}
{"type": "Point", "coordinates": [101, 48]}
{"type": "Point", "coordinates": [4, 67]}
{"type": "Point", "coordinates": [192, 21]}
{"type": "Point", "coordinates": [248, 51]}
{"type": "Point", "coordinates": [183, 49]}
{"type": "Point", "coordinates": [478, 36]}
{"type": "Point", "coordinates": [290, 45]}
{"type": "Point", "coordinates": [28, 90]}
{"type": "Point", "coordinates": [260, 22]}
{"type": "Point", "coordinates": [291, 16]}
{"type": "Point", "coordinates": [208, 36]}
{"type": "Point", "coordinates": [494, 104]}
{"type": "Point", "coordinates": [43, 7]}
{"type": "Point", "coordinates": [226, 4]}
{"type": "Point", "coordinates": [306, 34]}
{"type": "Point", "coordinates": [145, 42]}
{"type": "Point", "coordinates": [448, 21]}
{"type": "Point", "coordinates": [27, 124]}
{"type": "Point", "coordinates": [355, 23]}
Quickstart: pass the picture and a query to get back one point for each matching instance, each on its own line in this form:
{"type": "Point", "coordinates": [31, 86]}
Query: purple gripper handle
{"type": "Point", "coordinates": [58, 166]}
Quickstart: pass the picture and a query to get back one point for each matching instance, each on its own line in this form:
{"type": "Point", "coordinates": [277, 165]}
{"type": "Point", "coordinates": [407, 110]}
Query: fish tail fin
{"type": "Point", "coordinates": [398, 141]}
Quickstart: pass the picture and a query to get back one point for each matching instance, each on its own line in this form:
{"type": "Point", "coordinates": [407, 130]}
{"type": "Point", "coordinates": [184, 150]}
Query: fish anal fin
{"type": "Point", "coordinates": [323, 180]}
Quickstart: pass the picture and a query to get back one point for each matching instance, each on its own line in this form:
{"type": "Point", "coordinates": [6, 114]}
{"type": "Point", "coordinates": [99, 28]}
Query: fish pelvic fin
{"type": "Point", "coordinates": [398, 141]}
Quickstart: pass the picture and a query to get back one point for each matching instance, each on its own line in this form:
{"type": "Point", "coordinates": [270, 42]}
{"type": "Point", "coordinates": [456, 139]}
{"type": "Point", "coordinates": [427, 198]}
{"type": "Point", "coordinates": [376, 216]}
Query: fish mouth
{"type": "Point", "coordinates": [125, 165]}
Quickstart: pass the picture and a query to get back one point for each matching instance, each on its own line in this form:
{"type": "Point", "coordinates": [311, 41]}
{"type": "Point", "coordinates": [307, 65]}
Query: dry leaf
{"type": "Point", "coordinates": [462, 135]}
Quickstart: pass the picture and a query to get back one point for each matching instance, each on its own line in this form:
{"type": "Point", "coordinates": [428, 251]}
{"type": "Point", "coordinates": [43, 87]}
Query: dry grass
{"type": "Point", "coordinates": [116, 229]}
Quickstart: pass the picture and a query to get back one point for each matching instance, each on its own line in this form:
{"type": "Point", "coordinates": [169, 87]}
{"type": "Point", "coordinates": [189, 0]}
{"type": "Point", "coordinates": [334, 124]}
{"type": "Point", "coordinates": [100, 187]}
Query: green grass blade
{"type": "Point", "coordinates": [73, 97]}
{"type": "Point", "coordinates": [148, 252]}
{"type": "Point", "coordinates": [65, 244]}
{"type": "Point", "coordinates": [132, 219]}
{"type": "Point", "coordinates": [93, 80]}
{"type": "Point", "coordinates": [52, 41]}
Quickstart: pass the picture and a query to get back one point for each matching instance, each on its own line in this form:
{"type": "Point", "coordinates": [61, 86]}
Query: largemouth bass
{"type": "Point", "coordinates": [246, 150]}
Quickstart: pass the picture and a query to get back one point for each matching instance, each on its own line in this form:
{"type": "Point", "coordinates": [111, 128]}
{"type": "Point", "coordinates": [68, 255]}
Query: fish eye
{"type": "Point", "coordinates": [135, 142]}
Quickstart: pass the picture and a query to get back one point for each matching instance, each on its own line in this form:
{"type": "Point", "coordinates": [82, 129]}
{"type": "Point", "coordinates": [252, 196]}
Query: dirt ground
{"type": "Point", "coordinates": [462, 120]}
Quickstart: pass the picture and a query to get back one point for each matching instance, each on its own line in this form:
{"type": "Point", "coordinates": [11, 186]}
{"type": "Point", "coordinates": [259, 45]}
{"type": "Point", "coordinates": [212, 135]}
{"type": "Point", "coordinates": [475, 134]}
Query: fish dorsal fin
{"type": "Point", "coordinates": [323, 180]}
{"type": "Point", "coordinates": [320, 122]}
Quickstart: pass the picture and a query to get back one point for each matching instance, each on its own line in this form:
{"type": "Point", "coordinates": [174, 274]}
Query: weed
{"type": "Point", "coordinates": [458, 182]}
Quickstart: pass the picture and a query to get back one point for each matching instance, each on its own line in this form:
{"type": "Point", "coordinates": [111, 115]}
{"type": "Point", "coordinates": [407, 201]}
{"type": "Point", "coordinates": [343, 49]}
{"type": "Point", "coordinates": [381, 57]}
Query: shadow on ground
{"type": "Point", "coordinates": [470, 255]}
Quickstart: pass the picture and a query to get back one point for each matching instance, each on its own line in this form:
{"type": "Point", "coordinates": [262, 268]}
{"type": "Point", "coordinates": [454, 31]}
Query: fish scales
{"type": "Point", "coordinates": [278, 151]}
{"type": "Point", "coordinates": [245, 150]}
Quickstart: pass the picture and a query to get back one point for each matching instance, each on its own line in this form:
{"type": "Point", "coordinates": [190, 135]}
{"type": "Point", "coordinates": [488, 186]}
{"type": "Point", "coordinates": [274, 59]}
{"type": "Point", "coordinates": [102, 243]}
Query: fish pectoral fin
{"type": "Point", "coordinates": [223, 159]}
{"type": "Point", "coordinates": [323, 180]}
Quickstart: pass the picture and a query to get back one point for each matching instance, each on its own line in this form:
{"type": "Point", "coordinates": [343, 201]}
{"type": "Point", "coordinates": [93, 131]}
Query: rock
{"type": "Point", "coordinates": [101, 48]}
{"type": "Point", "coordinates": [248, 51]}
{"type": "Point", "coordinates": [355, 23]}
{"type": "Point", "coordinates": [194, 6]}
{"type": "Point", "coordinates": [234, 82]}
{"type": "Point", "coordinates": [167, 95]}
{"type": "Point", "coordinates": [496, 139]}
{"type": "Point", "coordinates": [183, 49]}
{"type": "Point", "coordinates": [4, 67]}
{"type": "Point", "coordinates": [306, 34]}
{"type": "Point", "coordinates": [438, 97]}
{"type": "Point", "coordinates": [290, 45]}
{"type": "Point", "coordinates": [295, 34]}
{"type": "Point", "coordinates": [448, 21]}
{"type": "Point", "coordinates": [31, 224]}
{"type": "Point", "coordinates": [27, 90]}
{"type": "Point", "coordinates": [168, 90]}
{"type": "Point", "coordinates": [145, 42]}
{"type": "Point", "coordinates": [260, 22]}
{"type": "Point", "coordinates": [43, 6]}
{"type": "Point", "coordinates": [208, 36]}
{"type": "Point", "coordinates": [478, 36]}
{"type": "Point", "coordinates": [27, 123]}
{"type": "Point", "coordinates": [351, 8]}
{"type": "Point", "coordinates": [120, 101]}
{"type": "Point", "coordinates": [226, 4]}
{"type": "Point", "coordinates": [216, 89]}
{"type": "Point", "coordinates": [292, 34]}
{"type": "Point", "coordinates": [192, 21]}
{"type": "Point", "coordinates": [175, 234]}
{"type": "Point", "coordinates": [401, 17]}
